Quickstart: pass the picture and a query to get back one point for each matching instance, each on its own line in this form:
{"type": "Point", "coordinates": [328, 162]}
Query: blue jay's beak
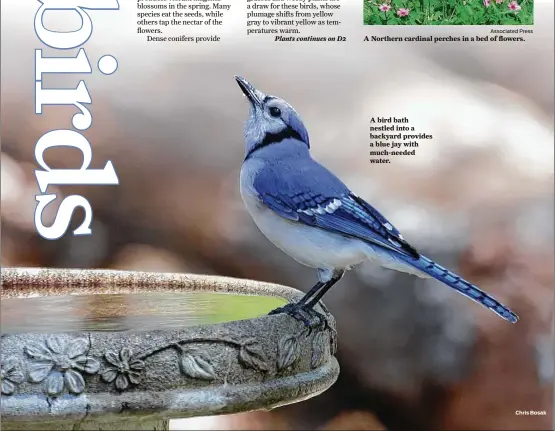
{"type": "Point", "coordinates": [255, 97]}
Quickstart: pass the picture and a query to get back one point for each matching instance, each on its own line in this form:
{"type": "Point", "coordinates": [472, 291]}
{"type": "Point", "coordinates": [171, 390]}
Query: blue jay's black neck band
{"type": "Point", "coordinates": [275, 138]}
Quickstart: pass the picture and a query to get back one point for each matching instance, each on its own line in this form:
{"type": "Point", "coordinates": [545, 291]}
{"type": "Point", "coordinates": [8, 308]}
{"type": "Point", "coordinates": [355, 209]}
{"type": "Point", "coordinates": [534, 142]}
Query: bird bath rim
{"type": "Point", "coordinates": [242, 365]}
{"type": "Point", "coordinates": [39, 282]}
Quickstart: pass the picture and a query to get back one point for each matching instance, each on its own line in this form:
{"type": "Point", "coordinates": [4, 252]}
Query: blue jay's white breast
{"type": "Point", "coordinates": [310, 246]}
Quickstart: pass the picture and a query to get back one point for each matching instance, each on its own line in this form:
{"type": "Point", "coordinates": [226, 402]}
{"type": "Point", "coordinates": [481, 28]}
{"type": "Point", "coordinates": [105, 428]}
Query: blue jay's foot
{"type": "Point", "coordinates": [311, 318]}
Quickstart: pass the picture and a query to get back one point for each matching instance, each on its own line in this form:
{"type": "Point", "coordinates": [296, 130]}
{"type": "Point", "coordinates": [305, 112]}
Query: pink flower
{"type": "Point", "coordinates": [498, 1]}
{"type": "Point", "coordinates": [403, 12]}
{"type": "Point", "coordinates": [487, 3]}
{"type": "Point", "coordinates": [384, 7]}
{"type": "Point", "coordinates": [514, 6]}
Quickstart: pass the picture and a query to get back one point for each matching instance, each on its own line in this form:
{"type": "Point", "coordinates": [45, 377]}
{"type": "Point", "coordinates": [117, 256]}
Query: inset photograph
{"type": "Point", "coordinates": [448, 12]}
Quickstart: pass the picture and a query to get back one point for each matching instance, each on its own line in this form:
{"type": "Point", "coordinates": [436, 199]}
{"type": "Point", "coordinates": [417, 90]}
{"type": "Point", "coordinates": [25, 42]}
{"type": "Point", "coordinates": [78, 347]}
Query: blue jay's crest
{"type": "Point", "coordinates": [309, 213]}
{"type": "Point", "coordinates": [271, 120]}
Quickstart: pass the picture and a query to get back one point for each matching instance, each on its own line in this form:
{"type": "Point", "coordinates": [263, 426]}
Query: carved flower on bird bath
{"type": "Point", "coordinates": [60, 362]}
{"type": "Point", "coordinates": [125, 369]}
{"type": "Point", "coordinates": [11, 375]}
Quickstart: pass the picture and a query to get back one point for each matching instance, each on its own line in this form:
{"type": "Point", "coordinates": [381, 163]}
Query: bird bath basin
{"type": "Point", "coordinates": [93, 349]}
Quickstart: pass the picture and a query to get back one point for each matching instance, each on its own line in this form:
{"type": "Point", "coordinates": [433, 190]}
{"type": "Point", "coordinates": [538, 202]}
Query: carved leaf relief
{"type": "Point", "coordinates": [288, 352]}
{"type": "Point", "coordinates": [251, 356]}
{"type": "Point", "coordinates": [195, 365]}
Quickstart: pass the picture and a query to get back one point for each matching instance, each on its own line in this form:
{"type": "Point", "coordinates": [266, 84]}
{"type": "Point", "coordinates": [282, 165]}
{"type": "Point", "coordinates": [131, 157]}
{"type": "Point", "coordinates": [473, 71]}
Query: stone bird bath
{"type": "Point", "coordinates": [95, 349]}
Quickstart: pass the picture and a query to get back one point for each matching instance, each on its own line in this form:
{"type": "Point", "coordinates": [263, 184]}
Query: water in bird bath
{"type": "Point", "coordinates": [129, 312]}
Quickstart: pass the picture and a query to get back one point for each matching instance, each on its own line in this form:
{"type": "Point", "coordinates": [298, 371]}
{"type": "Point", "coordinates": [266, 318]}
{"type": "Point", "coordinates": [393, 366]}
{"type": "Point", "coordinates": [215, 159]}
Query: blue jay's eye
{"type": "Point", "coordinates": [275, 112]}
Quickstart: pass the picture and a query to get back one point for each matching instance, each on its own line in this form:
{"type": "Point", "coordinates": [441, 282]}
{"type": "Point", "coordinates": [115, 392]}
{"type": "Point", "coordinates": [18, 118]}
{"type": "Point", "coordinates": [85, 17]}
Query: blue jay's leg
{"type": "Point", "coordinates": [300, 311]}
{"type": "Point", "coordinates": [303, 310]}
{"type": "Point", "coordinates": [311, 292]}
{"type": "Point", "coordinates": [301, 301]}
{"type": "Point", "coordinates": [335, 277]}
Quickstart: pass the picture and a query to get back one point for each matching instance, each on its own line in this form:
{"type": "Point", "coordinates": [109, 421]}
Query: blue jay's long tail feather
{"type": "Point", "coordinates": [462, 286]}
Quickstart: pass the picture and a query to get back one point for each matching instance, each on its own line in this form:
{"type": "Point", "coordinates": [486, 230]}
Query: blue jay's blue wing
{"type": "Point", "coordinates": [304, 191]}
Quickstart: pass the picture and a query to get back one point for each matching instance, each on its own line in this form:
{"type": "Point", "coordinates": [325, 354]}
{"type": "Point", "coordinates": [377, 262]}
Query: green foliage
{"type": "Point", "coordinates": [448, 12]}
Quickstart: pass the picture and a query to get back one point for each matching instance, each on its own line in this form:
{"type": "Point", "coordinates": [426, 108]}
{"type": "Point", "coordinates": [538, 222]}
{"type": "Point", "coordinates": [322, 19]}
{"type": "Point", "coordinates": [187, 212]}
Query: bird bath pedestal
{"type": "Point", "coordinates": [93, 349]}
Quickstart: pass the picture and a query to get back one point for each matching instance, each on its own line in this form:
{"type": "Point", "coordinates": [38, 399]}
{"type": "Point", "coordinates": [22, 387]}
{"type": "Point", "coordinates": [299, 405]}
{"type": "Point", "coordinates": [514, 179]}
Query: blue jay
{"type": "Point", "coordinates": [307, 212]}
